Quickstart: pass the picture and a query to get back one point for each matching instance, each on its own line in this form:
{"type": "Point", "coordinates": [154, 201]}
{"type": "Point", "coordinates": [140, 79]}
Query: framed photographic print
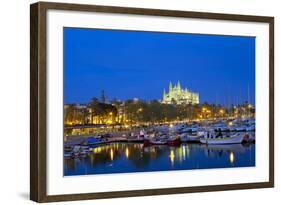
{"type": "Point", "coordinates": [135, 102]}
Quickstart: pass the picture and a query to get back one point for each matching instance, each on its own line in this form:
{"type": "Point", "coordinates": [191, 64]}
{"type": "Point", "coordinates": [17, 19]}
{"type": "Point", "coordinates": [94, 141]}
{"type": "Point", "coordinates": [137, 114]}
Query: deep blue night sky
{"type": "Point", "coordinates": [129, 64]}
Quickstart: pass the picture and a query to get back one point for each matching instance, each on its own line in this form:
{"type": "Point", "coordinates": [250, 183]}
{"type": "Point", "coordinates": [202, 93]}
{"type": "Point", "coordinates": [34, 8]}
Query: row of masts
{"type": "Point", "coordinates": [231, 100]}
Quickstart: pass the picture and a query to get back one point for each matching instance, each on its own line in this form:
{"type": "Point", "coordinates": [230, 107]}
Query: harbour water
{"type": "Point", "coordinates": [135, 157]}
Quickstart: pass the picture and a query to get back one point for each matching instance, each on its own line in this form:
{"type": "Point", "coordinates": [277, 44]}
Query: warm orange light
{"type": "Point", "coordinates": [111, 154]}
{"type": "Point", "coordinates": [127, 152]}
{"type": "Point", "coordinates": [221, 111]}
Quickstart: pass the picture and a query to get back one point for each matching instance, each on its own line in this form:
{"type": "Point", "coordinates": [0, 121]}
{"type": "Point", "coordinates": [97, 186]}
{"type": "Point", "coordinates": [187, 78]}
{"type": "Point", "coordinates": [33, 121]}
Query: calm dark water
{"type": "Point", "coordinates": [124, 158]}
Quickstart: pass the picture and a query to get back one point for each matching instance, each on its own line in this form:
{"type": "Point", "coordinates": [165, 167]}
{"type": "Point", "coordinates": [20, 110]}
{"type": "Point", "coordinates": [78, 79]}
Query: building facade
{"type": "Point", "coordinates": [177, 95]}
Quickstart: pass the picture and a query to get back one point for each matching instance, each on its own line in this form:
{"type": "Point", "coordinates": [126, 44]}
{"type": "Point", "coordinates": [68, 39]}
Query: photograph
{"type": "Point", "coordinates": [148, 101]}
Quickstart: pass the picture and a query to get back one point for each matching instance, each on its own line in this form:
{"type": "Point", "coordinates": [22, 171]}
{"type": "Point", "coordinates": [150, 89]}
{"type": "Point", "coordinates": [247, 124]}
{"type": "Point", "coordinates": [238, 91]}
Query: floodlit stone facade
{"type": "Point", "coordinates": [177, 95]}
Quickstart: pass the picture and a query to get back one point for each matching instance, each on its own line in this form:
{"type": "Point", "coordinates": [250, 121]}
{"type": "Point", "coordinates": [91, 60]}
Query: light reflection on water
{"type": "Point", "coordinates": [231, 157]}
{"type": "Point", "coordinates": [124, 157]}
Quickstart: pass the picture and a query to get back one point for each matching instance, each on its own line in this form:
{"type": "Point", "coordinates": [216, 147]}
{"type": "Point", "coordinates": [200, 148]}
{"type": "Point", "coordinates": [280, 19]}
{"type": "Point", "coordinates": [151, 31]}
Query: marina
{"type": "Point", "coordinates": [162, 147]}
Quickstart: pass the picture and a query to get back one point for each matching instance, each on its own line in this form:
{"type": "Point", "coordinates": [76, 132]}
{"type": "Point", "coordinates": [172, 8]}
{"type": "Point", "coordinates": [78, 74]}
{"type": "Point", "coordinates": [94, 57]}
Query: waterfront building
{"type": "Point", "coordinates": [177, 95]}
{"type": "Point", "coordinates": [75, 114]}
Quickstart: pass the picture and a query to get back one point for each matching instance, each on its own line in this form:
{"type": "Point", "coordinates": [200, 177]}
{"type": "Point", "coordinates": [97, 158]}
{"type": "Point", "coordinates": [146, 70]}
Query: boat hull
{"type": "Point", "coordinates": [148, 142]}
{"type": "Point", "coordinates": [189, 139]}
{"type": "Point", "coordinates": [174, 142]}
{"type": "Point", "coordinates": [236, 139]}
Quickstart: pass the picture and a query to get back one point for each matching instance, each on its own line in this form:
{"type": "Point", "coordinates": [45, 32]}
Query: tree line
{"type": "Point", "coordinates": [140, 111]}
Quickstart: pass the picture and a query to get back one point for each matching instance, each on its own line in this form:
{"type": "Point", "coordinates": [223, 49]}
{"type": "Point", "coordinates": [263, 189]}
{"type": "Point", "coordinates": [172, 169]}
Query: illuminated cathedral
{"type": "Point", "coordinates": [177, 95]}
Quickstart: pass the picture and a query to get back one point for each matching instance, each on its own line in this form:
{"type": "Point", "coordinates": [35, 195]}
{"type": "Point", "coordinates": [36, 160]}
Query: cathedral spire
{"type": "Point", "coordinates": [179, 85]}
{"type": "Point", "coordinates": [170, 87]}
